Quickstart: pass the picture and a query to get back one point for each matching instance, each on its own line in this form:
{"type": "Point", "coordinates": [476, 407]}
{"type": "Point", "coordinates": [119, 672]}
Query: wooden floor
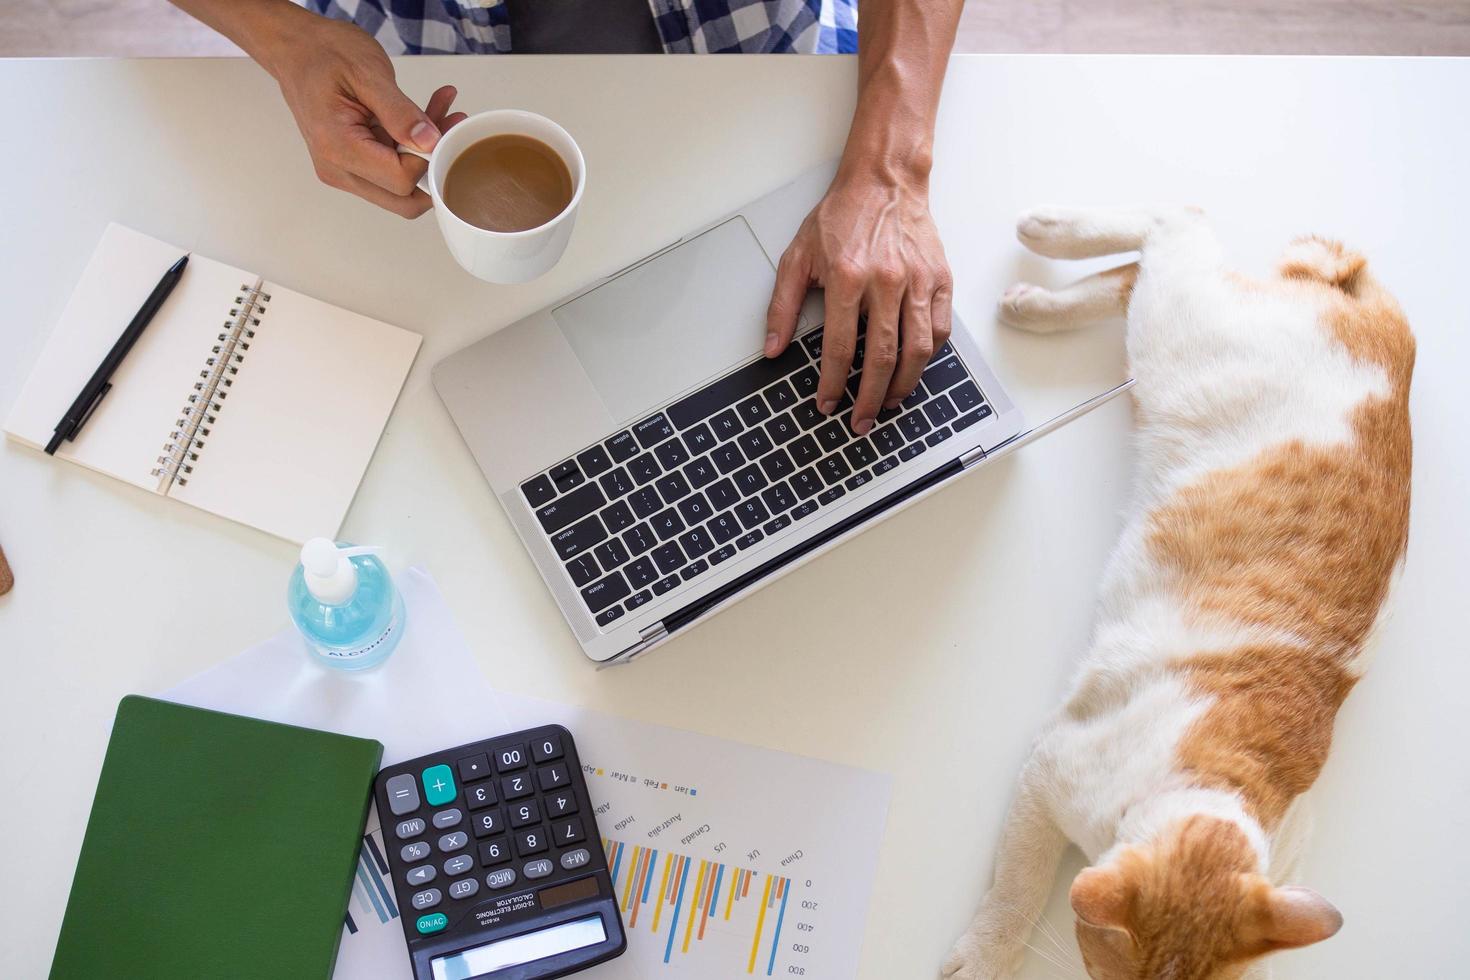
{"type": "Point", "coordinates": [129, 28]}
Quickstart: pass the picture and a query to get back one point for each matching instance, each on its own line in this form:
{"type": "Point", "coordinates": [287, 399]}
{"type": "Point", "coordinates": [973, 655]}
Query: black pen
{"type": "Point", "coordinates": [86, 403]}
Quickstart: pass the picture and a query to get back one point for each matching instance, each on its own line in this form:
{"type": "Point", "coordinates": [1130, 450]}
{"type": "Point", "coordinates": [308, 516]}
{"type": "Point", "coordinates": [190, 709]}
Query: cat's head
{"type": "Point", "coordinates": [1190, 905]}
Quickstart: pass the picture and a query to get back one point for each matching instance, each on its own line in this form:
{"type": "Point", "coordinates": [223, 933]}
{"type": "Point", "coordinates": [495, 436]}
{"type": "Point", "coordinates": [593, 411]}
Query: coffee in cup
{"type": "Point", "coordinates": [507, 183]}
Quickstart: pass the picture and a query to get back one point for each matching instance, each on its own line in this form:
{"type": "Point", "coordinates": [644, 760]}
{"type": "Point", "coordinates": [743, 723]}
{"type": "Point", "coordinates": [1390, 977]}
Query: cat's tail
{"type": "Point", "coordinates": [1324, 260]}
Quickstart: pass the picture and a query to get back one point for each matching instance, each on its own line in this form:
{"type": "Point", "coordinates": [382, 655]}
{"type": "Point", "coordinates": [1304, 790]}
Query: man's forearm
{"type": "Point", "coordinates": [255, 25]}
{"type": "Point", "coordinates": [903, 49]}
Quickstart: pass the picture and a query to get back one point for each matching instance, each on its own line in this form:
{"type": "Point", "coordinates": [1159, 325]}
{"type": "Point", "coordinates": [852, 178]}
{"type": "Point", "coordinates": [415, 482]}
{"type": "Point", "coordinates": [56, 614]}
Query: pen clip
{"type": "Point", "coordinates": [101, 393]}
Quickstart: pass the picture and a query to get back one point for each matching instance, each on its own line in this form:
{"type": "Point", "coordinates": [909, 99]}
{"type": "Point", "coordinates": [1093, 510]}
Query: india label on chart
{"type": "Point", "coordinates": [728, 860]}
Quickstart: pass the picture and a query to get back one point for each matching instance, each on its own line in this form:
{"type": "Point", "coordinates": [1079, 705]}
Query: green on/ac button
{"type": "Point", "coordinates": [432, 922]}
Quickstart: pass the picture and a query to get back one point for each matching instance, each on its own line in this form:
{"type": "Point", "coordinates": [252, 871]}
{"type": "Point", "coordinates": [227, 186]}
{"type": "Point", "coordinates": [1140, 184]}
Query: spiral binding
{"type": "Point", "coordinates": [198, 415]}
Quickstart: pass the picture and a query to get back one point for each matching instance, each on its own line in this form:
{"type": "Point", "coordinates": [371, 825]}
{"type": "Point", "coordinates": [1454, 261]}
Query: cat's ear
{"type": "Point", "coordinates": [1292, 916]}
{"type": "Point", "coordinates": [1102, 897]}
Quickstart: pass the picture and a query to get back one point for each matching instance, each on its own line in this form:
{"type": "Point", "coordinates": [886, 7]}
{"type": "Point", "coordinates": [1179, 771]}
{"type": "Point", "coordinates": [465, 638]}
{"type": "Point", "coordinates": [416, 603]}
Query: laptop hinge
{"type": "Point", "coordinates": [650, 635]}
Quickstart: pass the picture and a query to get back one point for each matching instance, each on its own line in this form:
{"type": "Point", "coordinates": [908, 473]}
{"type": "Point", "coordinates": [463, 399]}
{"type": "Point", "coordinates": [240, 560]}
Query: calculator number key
{"type": "Point", "coordinates": [515, 787]}
{"type": "Point", "coordinates": [480, 795]}
{"type": "Point", "coordinates": [488, 822]}
{"type": "Point", "coordinates": [528, 842]}
{"type": "Point", "coordinates": [524, 814]}
{"type": "Point", "coordinates": [510, 759]}
{"type": "Point", "coordinates": [553, 777]}
{"type": "Point", "coordinates": [545, 749]}
{"type": "Point", "coordinates": [495, 851]}
{"type": "Point", "coordinates": [567, 832]}
{"type": "Point", "coordinates": [474, 767]}
{"type": "Point", "coordinates": [560, 805]}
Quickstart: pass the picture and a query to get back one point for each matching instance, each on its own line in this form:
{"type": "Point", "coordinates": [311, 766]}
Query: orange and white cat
{"type": "Point", "coordinates": [1270, 514]}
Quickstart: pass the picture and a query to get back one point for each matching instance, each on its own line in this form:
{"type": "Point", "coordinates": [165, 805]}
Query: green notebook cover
{"type": "Point", "coordinates": [218, 846]}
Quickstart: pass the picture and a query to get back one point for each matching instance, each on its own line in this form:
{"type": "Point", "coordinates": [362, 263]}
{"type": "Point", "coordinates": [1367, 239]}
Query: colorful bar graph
{"type": "Point", "coordinates": [370, 891]}
{"type": "Point", "coordinates": [687, 896]}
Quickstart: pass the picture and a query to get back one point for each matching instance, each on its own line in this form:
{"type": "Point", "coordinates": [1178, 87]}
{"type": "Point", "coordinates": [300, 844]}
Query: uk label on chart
{"type": "Point", "coordinates": [728, 860]}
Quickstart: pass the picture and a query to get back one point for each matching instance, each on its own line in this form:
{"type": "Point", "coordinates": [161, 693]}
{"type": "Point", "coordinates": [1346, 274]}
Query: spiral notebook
{"type": "Point", "coordinates": [242, 398]}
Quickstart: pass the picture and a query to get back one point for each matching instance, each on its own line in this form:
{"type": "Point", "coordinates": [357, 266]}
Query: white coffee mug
{"type": "Point", "coordinates": [503, 256]}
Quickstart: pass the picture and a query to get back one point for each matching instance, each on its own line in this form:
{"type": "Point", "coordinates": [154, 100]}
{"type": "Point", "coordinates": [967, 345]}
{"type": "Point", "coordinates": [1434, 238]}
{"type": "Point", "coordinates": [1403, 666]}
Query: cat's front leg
{"type": "Point", "coordinates": [1026, 863]}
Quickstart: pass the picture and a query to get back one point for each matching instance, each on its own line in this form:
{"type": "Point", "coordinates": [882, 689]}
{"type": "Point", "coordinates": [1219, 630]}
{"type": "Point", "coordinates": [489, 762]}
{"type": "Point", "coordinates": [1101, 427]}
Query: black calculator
{"type": "Point", "coordinates": [496, 860]}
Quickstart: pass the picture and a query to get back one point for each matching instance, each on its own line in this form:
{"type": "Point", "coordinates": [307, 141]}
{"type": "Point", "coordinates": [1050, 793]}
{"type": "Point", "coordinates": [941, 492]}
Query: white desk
{"type": "Point", "coordinates": [969, 609]}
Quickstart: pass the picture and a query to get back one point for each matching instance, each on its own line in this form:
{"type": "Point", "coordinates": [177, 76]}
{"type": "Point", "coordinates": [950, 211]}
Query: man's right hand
{"type": "Point", "coordinates": [340, 86]}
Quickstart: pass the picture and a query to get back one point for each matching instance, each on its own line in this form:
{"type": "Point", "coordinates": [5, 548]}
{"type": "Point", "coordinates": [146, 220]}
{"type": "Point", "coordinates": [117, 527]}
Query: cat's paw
{"type": "Point", "coordinates": [1028, 307]}
{"type": "Point", "coordinates": [1049, 231]}
{"type": "Point", "coordinates": [971, 959]}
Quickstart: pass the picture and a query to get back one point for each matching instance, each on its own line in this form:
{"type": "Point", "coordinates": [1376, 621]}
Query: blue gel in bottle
{"type": "Point", "coordinates": [345, 604]}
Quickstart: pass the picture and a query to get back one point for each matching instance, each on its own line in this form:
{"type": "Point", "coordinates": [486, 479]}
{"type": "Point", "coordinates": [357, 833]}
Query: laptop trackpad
{"type": "Point", "coordinates": [687, 316]}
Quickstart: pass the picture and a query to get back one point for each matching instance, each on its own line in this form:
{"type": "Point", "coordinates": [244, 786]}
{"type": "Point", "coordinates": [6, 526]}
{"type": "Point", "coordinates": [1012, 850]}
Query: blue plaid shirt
{"type": "Point", "coordinates": [685, 26]}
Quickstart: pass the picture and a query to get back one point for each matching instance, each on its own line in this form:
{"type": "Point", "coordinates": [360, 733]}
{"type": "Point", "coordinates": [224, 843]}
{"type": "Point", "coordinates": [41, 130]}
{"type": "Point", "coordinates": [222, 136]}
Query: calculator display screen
{"type": "Point", "coordinates": [520, 949]}
{"type": "Point", "coordinates": [558, 895]}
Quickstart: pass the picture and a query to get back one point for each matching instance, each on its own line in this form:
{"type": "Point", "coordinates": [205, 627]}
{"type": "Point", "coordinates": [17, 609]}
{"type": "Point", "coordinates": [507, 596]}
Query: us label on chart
{"type": "Point", "coordinates": [728, 860]}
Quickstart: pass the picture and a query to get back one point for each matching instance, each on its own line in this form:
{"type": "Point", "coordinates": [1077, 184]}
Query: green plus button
{"type": "Point", "coordinates": [438, 785]}
{"type": "Point", "coordinates": [432, 923]}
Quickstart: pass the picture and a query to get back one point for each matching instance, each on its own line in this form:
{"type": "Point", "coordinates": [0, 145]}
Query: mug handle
{"type": "Point", "coordinates": [424, 180]}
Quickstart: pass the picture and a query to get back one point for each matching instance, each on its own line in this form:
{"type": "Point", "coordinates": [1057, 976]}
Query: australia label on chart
{"type": "Point", "coordinates": [728, 860]}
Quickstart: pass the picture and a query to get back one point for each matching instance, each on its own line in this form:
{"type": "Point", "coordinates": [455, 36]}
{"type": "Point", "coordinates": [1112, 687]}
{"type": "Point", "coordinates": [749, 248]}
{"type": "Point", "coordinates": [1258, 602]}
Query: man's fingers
{"type": "Point", "coordinates": [839, 337]}
{"type": "Point", "coordinates": [917, 347]}
{"type": "Point", "coordinates": [404, 120]}
{"type": "Point", "coordinates": [366, 157]}
{"type": "Point", "coordinates": [452, 120]}
{"type": "Point", "coordinates": [410, 206]}
{"type": "Point", "coordinates": [440, 102]}
{"type": "Point", "coordinates": [880, 357]}
{"type": "Point", "coordinates": [793, 278]}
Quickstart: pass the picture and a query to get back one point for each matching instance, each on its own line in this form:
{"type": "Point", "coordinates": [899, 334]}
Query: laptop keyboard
{"type": "Point", "coordinates": [743, 458]}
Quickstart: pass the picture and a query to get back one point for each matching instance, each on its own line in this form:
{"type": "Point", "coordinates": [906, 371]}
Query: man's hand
{"type": "Point", "coordinates": [340, 86]}
{"type": "Point", "coordinates": [872, 245]}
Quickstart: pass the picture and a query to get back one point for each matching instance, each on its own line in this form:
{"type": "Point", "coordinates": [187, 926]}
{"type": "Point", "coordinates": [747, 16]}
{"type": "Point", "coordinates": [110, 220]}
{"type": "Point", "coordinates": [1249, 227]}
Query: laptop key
{"type": "Point", "coordinates": [813, 344]}
{"type": "Point", "coordinates": [966, 396]}
{"type": "Point", "coordinates": [610, 554]}
{"type": "Point", "coordinates": [605, 617]}
{"type": "Point", "coordinates": [940, 375]}
{"type": "Point", "coordinates": [726, 425]}
{"type": "Point", "coordinates": [583, 570]}
{"type": "Point", "coordinates": [696, 542]}
{"type": "Point", "coordinates": [538, 490]}
{"type": "Point", "coordinates": [858, 479]}
{"type": "Point", "coordinates": [573, 507]}
{"type": "Point", "coordinates": [696, 510]}
{"type": "Point", "coordinates": [753, 410]}
{"type": "Point", "coordinates": [671, 454]}
{"type": "Point", "coordinates": [778, 465]}
{"type": "Point", "coordinates": [887, 439]}
{"type": "Point", "coordinates": [780, 523]}
{"type": "Point", "coordinates": [578, 538]}
{"type": "Point", "coordinates": [937, 436]}
{"type": "Point", "coordinates": [831, 435]}
{"type": "Point", "coordinates": [722, 494]}
{"type": "Point", "coordinates": [754, 537]}
{"type": "Point", "coordinates": [910, 451]}
{"type": "Point", "coordinates": [830, 495]}
{"type": "Point", "coordinates": [653, 430]}
{"type": "Point", "coordinates": [616, 484]}
{"type": "Point", "coordinates": [913, 425]}
{"type": "Point", "coordinates": [637, 599]}
{"type": "Point", "coordinates": [806, 414]}
{"type": "Point", "coordinates": [916, 397]}
{"type": "Point", "coordinates": [566, 476]}
{"type": "Point", "coordinates": [782, 428]}
{"type": "Point", "coordinates": [665, 584]}
{"type": "Point", "coordinates": [621, 447]}
{"type": "Point", "coordinates": [754, 443]}
{"type": "Point", "coordinates": [806, 483]}
{"type": "Point", "coordinates": [861, 454]}
{"type": "Point", "coordinates": [639, 539]}
{"type": "Point", "coordinates": [779, 498]}
{"type": "Point", "coordinates": [805, 450]}
{"type": "Point", "coordinates": [735, 386]}
{"type": "Point", "coordinates": [807, 509]}
{"type": "Point", "coordinates": [604, 592]}
{"type": "Point", "coordinates": [666, 524]}
{"type": "Point", "coordinates": [701, 472]}
{"type": "Point", "coordinates": [594, 461]}
{"type": "Point", "coordinates": [805, 382]}
{"type": "Point", "coordinates": [641, 573]}
{"type": "Point", "coordinates": [645, 501]}
{"type": "Point", "coordinates": [939, 409]}
{"type": "Point", "coordinates": [780, 396]}
{"type": "Point", "coordinates": [668, 557]}
{"type": "Point", "coordinates": [722, 554]}
{"type": "Point", "coordinates": [834, 469]}
{"type": "Point", "coordinates": [697, 568]}
{"type": "Point", "coordinates": [750, 480]}
{"type": "Point", "coordinates": [728, 458]}
{"type": "Point", "coordinates": [673, 487]}
{"type": "Point", "coordinates": [724, 527]}
{"type": "Point", "coordinates": [643, 468]}
{"type": "Point", "coordinates": [965, 421]}
{"type": "Point", "coordinates": [699, 439]}
{"type": "Point", "coordinates": [884, 465]}
{"type": "Point", "coordinates": [752, 513]}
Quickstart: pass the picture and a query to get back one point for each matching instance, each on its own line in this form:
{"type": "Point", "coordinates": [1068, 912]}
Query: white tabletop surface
{"type": "Point", "coordinates": [931, 647]}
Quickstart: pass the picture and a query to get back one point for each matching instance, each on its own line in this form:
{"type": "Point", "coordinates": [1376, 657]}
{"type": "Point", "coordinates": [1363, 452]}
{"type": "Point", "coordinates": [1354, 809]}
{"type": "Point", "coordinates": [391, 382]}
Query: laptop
{"type": "Point", "coordinates": [658, 468]}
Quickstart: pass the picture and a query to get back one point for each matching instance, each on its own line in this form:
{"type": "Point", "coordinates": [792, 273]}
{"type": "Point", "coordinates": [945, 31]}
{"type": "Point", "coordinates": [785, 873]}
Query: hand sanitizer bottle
{"type": "Point", "coordinates": [345, 604]}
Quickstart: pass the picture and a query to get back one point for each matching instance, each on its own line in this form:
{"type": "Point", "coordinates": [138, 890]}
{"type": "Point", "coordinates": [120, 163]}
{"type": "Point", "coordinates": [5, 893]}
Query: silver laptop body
{"type": "Point", "coordinates": [589, 378]}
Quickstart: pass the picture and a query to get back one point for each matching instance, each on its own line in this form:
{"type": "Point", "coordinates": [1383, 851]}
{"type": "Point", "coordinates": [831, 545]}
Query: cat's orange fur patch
{"type": "Point", "coordinates": [1303, 540]}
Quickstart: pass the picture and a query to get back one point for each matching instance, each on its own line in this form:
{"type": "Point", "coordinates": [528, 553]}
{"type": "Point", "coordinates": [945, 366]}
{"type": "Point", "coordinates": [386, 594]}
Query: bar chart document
{"type": "Point", "coordinates": [729, 860]}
